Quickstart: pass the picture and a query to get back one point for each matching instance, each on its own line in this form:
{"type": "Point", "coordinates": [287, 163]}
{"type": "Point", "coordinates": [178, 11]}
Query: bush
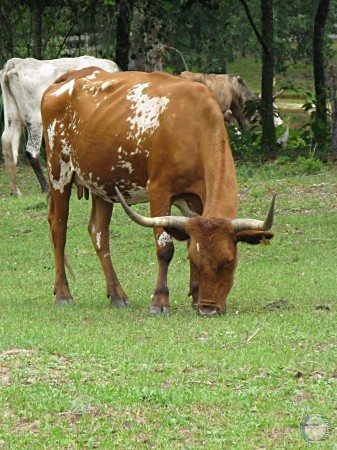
{"type": "Point", "coordinates": [281, 168]}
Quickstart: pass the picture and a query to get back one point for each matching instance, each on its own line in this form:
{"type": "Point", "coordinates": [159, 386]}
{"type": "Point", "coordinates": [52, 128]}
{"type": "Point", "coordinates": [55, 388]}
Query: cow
{"type": "Point", "coordinates": [147, 137]}
{"type": "Point", "coordinates": [23, 82]}
{"type": "Point", "coordinates": [236, 100]}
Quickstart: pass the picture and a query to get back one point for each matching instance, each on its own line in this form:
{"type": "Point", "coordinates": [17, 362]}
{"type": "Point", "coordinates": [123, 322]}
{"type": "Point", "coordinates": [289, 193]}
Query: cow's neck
{"type": "Point", "coordinates": [221, 191]}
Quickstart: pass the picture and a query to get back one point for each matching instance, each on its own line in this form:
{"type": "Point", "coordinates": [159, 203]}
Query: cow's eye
{"type": "Point", "coordinates": [228, 263]}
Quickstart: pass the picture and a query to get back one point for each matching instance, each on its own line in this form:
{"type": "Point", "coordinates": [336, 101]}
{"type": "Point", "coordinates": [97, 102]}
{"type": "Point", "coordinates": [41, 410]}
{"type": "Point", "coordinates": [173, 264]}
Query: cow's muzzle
{"type": "Point", "coordinates": [209, 310]}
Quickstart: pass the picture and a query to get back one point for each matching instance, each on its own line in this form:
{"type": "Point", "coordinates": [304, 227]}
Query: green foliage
{"type": "Point", "coordinates": [282, 167]}
{"type": "Point", "coordinates": [309, 165]}
{"type": "Point", "coordinates": [245, 143]}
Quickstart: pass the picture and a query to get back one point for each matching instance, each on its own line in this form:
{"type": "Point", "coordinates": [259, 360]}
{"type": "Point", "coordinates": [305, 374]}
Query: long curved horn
{"type": "Point", "coordinates": [252, 224]}
{"type": "Point", "coordinates": [178, 222]}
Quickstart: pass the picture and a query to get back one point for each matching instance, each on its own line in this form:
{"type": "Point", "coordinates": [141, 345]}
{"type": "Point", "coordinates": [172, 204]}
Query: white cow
{"type": "Point", "coordinates": [23, 82]}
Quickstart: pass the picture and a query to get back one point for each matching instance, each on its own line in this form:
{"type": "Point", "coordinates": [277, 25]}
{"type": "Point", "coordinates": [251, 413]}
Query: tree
{"type": "Point", "coordinates": [147, 36]}
{"type": "Point", "coordinates": [268, 64]}
{"type": "Point", "coordinates": [319, 71]}
{"type": "Point", "coordinates": [266, 39]}
{"type": "Point", "coordinates": [333, 101]}
{"type": "Point", "coordinates": [124, 18]}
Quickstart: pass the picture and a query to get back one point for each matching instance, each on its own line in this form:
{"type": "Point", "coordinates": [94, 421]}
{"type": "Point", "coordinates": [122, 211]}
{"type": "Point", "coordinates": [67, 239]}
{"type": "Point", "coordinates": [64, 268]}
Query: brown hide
{"type": "Point", "coordinates": [230, 91]}
{"type": "Point", "coordinates": [158, 138]}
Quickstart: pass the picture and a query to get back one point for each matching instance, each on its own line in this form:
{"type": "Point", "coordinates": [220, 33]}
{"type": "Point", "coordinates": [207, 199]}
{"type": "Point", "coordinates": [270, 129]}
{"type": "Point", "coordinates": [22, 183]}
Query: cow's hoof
{"type": "Point", "coordinates": [157, 310]}
{"type": "Point", "coordinates": [120, 303]}
{"type": "Point", "coordinates": [207, 311]}
{"type": "Point", "coordinates": [64, 301]}
{"type": "Point", "coordinates": [45, 189]}
{"type": "Point", "coordinates": [16, 193]}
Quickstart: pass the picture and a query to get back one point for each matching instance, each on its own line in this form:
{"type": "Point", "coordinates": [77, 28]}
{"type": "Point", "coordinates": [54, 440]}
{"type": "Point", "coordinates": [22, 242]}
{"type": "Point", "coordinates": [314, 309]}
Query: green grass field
{"type": "Point", "coordinates": [87, 376]}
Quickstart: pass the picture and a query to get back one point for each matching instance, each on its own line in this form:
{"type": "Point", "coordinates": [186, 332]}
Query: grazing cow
{"type": "Point", "coordinates": [147, 137]}
{"type": "Point", "coordinates": [232, 94]}
{"type": "Point", "coordinates": [23, 82]}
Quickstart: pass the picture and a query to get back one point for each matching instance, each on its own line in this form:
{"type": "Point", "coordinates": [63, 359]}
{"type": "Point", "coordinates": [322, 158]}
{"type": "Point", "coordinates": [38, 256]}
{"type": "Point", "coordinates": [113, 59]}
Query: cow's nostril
{"type": "Point", "coordinates": [207, 311]}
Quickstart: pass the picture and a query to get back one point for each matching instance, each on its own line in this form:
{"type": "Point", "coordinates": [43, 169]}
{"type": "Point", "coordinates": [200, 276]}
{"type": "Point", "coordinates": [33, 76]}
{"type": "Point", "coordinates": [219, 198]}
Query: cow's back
{"type": "Point", "coordinates": [126, 127]}
{"type": "Point", "coordinates": [24, 81]}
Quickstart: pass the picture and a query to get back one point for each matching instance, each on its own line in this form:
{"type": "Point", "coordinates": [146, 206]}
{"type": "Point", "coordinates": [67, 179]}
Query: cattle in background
{"type": "Point", "coordinates": [147, 137]}
{"type": "Point", "coordinates": [23, 82]}
{"type": "Point", "coordinates": [236, 100]}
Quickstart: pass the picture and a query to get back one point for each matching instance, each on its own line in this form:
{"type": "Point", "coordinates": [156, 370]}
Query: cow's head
{"type": "Point", "coordinates": [212, 249]}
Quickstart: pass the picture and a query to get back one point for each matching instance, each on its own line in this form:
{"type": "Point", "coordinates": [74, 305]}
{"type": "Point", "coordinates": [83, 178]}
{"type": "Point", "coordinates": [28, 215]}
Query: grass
{"type": "Point", "coordinates": [87, 376]}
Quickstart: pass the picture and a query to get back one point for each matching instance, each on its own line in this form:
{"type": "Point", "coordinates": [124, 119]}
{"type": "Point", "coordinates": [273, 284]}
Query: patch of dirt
{"type": "Point", "coordinates": [302, 397]}
{"type": "Point", "coordinates": [16, 352]}
{"type": "Point", "coordinates": [4, 376]}
{"type": "Point", "coordinates": [280, 436]}
{"type": "Point", "coordinates": [279, 304]}
{"type": "Point", "coordinates": [27, 427]}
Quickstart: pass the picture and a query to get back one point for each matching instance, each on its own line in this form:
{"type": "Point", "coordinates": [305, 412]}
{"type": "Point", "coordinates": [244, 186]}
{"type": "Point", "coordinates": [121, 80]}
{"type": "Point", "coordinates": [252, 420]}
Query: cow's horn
{"type": "Point", "coordinates": [178, 222]}
{"type": "Point", "coordinates": [252, 224]}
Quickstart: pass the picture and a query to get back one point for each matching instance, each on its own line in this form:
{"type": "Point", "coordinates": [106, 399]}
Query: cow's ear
{"type": "Point", "coordinates": [254, 237]}
{"type": "Point", "coordinates": [177, 234]}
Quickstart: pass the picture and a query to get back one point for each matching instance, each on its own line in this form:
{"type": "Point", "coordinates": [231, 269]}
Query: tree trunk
{"type": "Point", "coordinates": [123, 33]}
{"type": "Point", "coordinates": [267, 116]}
{"type": "Point", "coordinates": [320, 126]}
{"type": "Point", "coordinates": [333, 101]}
{"type": "Point", "coordinates": [7, 33]}
{"type": "Point", "coordinates": [318, 61]}
{"type": "Point", "coordinates": [147, 40]}
{"type": "Point", "coordinates": [37, 13]}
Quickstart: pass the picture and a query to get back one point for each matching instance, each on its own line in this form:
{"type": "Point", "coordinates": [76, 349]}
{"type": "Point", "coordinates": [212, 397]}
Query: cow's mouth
{"type": "Point", "coordinates": [210, 310]}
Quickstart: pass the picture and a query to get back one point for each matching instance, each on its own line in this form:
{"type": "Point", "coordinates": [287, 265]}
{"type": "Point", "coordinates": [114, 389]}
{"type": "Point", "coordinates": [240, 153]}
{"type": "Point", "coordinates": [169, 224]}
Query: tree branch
{"type": "Point", "coordinates": [256, 31]}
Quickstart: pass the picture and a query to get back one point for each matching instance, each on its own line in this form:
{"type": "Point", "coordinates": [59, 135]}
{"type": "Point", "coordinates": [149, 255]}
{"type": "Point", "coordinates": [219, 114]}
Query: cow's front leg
{"type": "Point", "coordinates": [194, 285]}
{"type": "Point", "coordinates": [58, 217]}
{"type": "Point", "coordinates": [165, 251]}
{"type": "Point", "coordinates": [99, 230]}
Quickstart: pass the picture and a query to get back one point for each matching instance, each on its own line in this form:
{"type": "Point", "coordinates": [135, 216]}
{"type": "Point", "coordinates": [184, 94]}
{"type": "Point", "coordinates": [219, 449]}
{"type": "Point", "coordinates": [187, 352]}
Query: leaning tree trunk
{"type": "Point", "coordinates": [333, 101]}
{"type": "Point", "coordinates": [147, 41]}
{"type": "Point", "coordinates": [267, 116]}
{"type": "Point", "coordinates": [320, 126]}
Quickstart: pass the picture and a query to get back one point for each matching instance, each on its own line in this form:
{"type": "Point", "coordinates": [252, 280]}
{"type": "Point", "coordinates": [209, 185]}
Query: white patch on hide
{"type": "Point", "coordinates": [105, 85]}
{"type": "Point", "coordinates": [98, 240]}
{"type": "Point", "coordinates": [66, 87]}
{"type": "Point", "coordinates": [125, 165]}
{"type": "Point", "coordinates": [92, 76]}
{"type": "Point", "coordinates": [51, 133]}
{"type": "Point", "coordinates": [66, 173]}
{"type": "Point", "coordinates": [164, 239]}
{"type": "Point", "coordinates": [147, 111]}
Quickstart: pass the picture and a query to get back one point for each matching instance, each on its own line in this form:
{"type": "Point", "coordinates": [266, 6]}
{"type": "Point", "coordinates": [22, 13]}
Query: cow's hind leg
{"type": "Point", "coordinates": [99, 230]}
{"type": "Point", "coordinates": [58, 217]}
{"type": "Point", "coordinates": [10, 147]}
{"type": "Point", "coordinates": [33, 152]}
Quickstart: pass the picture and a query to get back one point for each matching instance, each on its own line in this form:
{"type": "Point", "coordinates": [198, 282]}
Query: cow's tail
{"type": "Point", "coordinates": [6, 145]}
{"type": "Point", "coordinates": [66, 261]}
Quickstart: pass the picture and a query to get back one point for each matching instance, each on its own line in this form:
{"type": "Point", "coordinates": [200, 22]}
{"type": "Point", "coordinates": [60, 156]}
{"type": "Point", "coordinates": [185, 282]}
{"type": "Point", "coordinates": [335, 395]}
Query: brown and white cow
{"type": "Point", "coordinates": [149, 137]}
{"type": "Point", "coordinates": [22, 83]}
{"type": "Point", "coordinates": [233, 96]}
